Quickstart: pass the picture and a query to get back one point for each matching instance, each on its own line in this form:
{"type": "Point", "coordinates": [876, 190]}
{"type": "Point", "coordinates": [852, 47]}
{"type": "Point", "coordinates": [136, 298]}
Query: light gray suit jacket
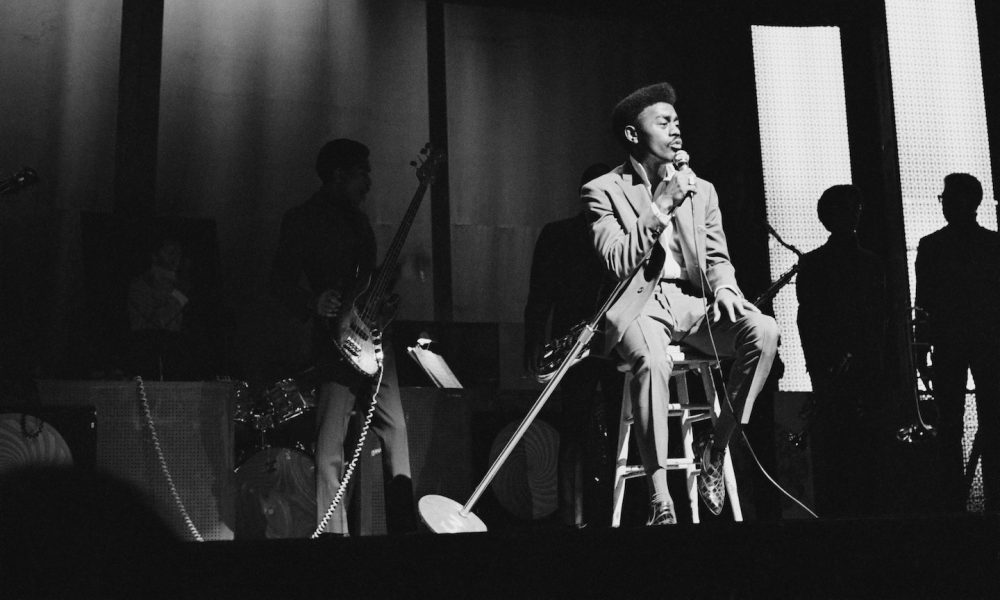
{"type": "Point", "coordinates": [625, 229]}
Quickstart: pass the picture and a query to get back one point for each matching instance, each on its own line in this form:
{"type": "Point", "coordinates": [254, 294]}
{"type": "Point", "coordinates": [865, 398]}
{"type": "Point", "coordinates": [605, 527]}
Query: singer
{"type": "Point", "coordinates": [654, 204]}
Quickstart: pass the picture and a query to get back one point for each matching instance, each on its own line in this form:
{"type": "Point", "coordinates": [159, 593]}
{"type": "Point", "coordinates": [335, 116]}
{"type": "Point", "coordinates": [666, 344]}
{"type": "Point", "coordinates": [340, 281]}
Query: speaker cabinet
{"type": "Point", "coordinates": [193, 421]}
{"type": "Point", "coordinates": [438, 425]}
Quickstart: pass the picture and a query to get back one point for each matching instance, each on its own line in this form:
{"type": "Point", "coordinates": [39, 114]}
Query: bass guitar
{"type": "Point", "coordinates": [355, 332]}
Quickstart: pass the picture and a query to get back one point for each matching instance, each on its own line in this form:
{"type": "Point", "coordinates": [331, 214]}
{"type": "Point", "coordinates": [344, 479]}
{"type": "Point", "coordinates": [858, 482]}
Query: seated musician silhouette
{"type": "Point", "coordinates": [565, 289]}
{"type": "Point", "coordinates": [159, 344]}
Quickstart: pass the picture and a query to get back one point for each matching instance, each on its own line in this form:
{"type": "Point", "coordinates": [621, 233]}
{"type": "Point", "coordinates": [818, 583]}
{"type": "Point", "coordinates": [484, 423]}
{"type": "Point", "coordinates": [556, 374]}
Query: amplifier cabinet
{"type": "Point", "coordinates": [193, 421]}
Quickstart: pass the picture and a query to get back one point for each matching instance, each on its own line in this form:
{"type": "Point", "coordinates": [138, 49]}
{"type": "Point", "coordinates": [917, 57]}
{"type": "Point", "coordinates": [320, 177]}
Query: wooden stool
{"type": "Point", "coordinates": [689, 414]}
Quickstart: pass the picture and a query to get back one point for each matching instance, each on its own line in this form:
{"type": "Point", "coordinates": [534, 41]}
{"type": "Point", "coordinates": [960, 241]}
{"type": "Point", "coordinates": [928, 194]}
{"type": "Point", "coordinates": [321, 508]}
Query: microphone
{"type": "Point", "coordinates": [681, 160]}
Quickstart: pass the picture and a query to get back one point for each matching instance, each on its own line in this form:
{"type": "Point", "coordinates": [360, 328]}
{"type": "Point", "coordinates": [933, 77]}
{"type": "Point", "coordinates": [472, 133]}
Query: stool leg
{"type": "Point", "coordinates": [729, 476]}
{"type": "Point", "coordinates": [687, 442]}
{"type": "Point", "coordinates": [621, 461]}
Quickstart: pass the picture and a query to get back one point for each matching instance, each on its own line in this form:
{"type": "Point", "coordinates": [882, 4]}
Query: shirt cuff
{"type": "Point", "coordinates": [731, 288]}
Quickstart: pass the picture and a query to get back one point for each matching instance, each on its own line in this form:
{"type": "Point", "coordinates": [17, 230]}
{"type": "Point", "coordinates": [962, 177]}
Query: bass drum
{"type": "Point", "coordinates": [276, 495]}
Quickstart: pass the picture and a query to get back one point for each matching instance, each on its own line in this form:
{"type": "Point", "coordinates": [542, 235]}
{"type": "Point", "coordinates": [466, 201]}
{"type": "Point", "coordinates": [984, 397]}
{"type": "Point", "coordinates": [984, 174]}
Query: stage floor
{"type": "Point", "coordinates": [938, 557]}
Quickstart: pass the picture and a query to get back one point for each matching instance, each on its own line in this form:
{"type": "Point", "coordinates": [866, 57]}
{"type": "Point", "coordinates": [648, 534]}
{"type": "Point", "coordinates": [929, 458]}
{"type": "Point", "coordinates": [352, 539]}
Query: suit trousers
{"type": "Point", "coordinates": [337, 399]}
{"type": "Point", "coordinates": [953, 359]}
{"type": "Point", "coordinates": [752, 341]}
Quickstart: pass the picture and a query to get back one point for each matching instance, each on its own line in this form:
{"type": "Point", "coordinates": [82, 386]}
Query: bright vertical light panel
{"type": "Point", "coordinates": [937, 88]}
{"type": "Point", "coordinates": [804, 150]}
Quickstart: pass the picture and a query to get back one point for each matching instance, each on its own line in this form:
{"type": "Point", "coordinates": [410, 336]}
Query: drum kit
{"type": "Point", "coordinates": [275, 473]}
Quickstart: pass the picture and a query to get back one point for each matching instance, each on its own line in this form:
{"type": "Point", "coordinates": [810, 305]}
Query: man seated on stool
{"type": "Point", "coordinates": [685, 294]}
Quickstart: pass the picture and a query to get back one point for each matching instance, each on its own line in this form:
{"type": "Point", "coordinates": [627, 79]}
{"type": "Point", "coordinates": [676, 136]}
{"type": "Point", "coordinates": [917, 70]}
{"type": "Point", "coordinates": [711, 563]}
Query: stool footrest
{"type": "Point", "coordinates": [677, 406]}
{"type": "Point", "coordinates": [628, 471]}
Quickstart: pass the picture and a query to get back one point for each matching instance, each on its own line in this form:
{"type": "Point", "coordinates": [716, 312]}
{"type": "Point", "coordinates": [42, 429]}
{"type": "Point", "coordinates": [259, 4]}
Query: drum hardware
{"type": "Point", "coordinates": [278, 404]}
{"type": "Point", "coordinates": [275, 474]}
{"type": "Point", "coordinates": [919, 430]}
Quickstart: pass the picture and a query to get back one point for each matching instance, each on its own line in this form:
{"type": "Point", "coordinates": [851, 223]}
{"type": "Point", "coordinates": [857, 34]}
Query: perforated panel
{"type": "Point", "coordinates": [193, 421]}
{"type": "Point", "coordinates": [937, 88]}
{"type": "Point", "coordinates": [804, 150]}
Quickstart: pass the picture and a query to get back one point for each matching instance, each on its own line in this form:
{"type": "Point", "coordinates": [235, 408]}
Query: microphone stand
{"type": "Point", "coordinates": [443, 515]}
{"type": "Point", "coordinates": [778, 239]}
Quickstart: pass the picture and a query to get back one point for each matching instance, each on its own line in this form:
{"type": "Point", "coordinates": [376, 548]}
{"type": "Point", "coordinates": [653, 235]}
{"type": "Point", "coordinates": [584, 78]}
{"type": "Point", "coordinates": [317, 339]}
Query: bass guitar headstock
{"type": "Point", "coordinates": [427, 163]}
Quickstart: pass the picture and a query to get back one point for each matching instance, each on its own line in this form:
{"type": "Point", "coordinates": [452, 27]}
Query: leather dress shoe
{"type": "Point", "coordinates": [711, 486]}
{"type": "Point", "coordinates": [662, 513]}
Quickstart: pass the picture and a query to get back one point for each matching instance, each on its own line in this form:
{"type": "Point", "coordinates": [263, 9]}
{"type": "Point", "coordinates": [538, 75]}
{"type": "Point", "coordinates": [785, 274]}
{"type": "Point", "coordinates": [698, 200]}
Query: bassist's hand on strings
{"type": "Point", "coordinates": [328, 303]}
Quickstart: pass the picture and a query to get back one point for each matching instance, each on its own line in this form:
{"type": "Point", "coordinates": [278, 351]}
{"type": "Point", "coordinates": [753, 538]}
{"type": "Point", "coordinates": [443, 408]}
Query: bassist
{"type": "Point", "coordinates": [328, 243]}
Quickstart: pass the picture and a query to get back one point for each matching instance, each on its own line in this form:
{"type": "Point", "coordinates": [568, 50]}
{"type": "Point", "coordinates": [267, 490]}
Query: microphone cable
{"type": "Point", "coordinates": [725, 391]}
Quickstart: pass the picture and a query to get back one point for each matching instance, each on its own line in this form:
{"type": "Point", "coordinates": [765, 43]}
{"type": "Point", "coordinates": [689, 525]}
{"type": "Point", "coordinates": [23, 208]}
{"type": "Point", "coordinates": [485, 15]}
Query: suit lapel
{"type": "Point", "coordinates": [634, 190]}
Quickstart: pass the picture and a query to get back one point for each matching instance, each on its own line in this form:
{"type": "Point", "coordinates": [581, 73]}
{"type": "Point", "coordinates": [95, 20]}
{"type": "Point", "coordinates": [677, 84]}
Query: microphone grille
{"type": "Point", "coordinates": [681, 159]}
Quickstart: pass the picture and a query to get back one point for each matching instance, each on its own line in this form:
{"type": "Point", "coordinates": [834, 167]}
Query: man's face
{"type": "Point", "coordinates": [955, 207]}
{"type": "Point", "coordinates": [354, 183]}
{"type": "Point", "coordinates": [657, 132]}
{"type": "Point", "coordinates": [168, 256]}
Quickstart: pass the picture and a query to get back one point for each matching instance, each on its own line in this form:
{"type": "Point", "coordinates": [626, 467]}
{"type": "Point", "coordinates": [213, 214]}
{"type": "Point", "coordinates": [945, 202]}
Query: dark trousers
{"type": "Point", "coordinates": [952, 360]}
{"type": "Point", "coordinates": [336, 401]}
{"type": "Point", "coordinates": [844, 439]}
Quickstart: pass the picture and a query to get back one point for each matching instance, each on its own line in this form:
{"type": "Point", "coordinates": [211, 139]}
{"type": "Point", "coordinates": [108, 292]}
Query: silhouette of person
{"type": "Point", "coordinates": [159, 343]}
{"type": "Point", "coordinates": [329, 241]}
{"type": "Point", "coordinates": [565, 289]}
{"type": "Point", "coordinates": [842, 320]}
{"type": "Point", "coordinates": [958, 286]}
{"type": "Point", "coordinates": [685, 293]}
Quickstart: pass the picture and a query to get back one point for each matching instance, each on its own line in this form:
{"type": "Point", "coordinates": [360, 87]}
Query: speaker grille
{"type": "Point", "coordinates": [195, 429]}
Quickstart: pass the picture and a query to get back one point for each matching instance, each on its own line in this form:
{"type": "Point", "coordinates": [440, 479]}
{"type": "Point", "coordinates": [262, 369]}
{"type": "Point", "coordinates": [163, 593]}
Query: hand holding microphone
{"type": "Point", "coordinates": [681, 186]}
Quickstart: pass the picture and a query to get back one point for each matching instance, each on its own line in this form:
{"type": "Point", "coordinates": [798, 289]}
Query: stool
{"type": "Point", "coordinates": [689, 414]}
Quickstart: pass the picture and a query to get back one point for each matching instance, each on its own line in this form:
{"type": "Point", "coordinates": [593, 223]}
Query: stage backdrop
{"type": "Point", "coordinates": [530, 95]}
{"type": "Point", "coordinates": [58, 106]}
{"type": "Point", "coordinates": [252, 88]}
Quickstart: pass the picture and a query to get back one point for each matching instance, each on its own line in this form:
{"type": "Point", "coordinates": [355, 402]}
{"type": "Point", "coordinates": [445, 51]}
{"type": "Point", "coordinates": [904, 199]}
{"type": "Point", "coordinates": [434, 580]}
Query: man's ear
{"type": "Point", "coordinates": [631, 134]}
{"type": "Point", "coordinates": [338, 176]}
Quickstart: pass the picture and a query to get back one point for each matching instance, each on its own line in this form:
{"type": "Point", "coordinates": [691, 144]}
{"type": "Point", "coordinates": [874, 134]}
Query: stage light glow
{"type": "Point", "coordinates": [940, 111]}
{"type": "Point", "coordinates": [804, 150]}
